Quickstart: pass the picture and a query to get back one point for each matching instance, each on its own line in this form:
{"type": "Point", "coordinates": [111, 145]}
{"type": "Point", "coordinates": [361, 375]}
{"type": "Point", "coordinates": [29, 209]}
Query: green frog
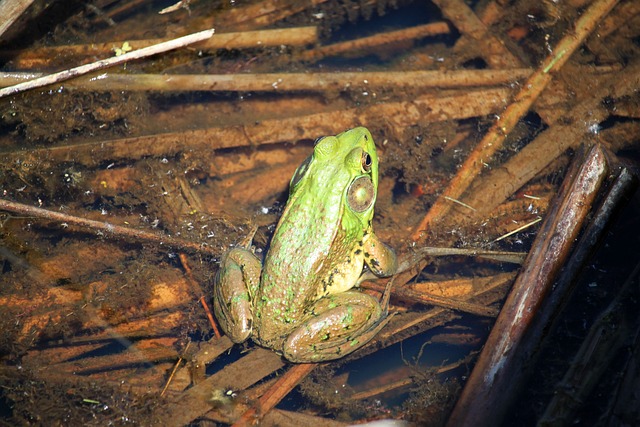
{"type": "Point", "coordinates": [301, 302]}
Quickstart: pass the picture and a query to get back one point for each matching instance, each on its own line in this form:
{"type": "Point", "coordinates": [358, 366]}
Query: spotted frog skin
{"type": "Point", "coordinates": [301, 302]}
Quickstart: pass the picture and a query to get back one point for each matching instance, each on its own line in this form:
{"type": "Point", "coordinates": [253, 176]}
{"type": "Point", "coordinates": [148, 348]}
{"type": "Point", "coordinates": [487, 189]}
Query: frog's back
{"type": "Point", "coordinates": [315, 239]}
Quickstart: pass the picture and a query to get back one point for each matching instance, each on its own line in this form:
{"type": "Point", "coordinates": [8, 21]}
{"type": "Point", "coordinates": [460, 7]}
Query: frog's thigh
{"type": "Point", "coordinates": [339, 325]}
{"type": "Point", "coordinates": [236, 281]}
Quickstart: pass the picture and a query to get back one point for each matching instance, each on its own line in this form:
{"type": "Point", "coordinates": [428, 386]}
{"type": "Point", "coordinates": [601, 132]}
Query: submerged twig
{"type": "Point", "coordinates": [173, 371]}
{"type": "Point", "coordinates": [444, 302]}
{"type": "Point", "coordinates": [523, 101]}
{"type": "Point", "coordinates": [108, 229]}
{"type": "Point", "coordinates": [299, 36]}
{"type": "Point", "coordinates": [519, 229]}
{"type": "Point", "coordinates": [199, 293]}
{"type": "Point", "coordinates": [236, 376]}
{"type": "Point", "coordinates": [367, 44]}
{"type": "Point", "coordinates": [276, 393]}
{"type": "Point", "coordinates": [109, 62]}
{"type": "Point", "coordinates": [479, 290]}
{"type": "Point", "coordinates": [283, 82]}
{"type": "Point", "coordinates": [403, 382]}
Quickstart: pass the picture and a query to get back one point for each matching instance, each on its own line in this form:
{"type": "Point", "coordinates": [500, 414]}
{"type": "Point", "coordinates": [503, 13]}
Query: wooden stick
{"type": "Point", "coordinates": [283, 82]}
{"type": "Point", "coordinates": [523, 101]}
{"type": "Point", "coordinates": [124, 360]}
{"type": "Point", "coordinates": [173, 371]}
{"type": "Point", "coordinates": [403, 382]}
{"type": "Point", "coordinates": [109, 62]}
{"type": "Point", "coordinates": [366, 44]}
{"type": "Point", "coordinates": [439, 301]}
{"type": "Point", "coordinates": [198, 292]}
{"type": "Point", "coordinates": [489, 13]}
{"type": "Point", "coordinates": [548, 317]}
{"type": "Point", "coordinates": [41, 57]}
{"type": "Point", "coordinates": [109, 230]}
{"type": "Point", "coordinates": [10, 10]}
{"type": "Point", "coordinates": [493, 376]}
{"type": "Point", "coordinates": [275, 394]}
{"type": "Point", "coordinates": [483, 290]}
{"type": "Point", "coordinates": [237, 376]}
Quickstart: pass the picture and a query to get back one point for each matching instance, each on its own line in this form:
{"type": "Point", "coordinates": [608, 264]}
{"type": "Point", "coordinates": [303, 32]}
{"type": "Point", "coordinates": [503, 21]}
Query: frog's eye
{"type": "Point", "coordinates": [366, 162]}
{"type": "Point", "coordinates": [361, 194]}
{"type": "Point", "coordinates": [300, 172]}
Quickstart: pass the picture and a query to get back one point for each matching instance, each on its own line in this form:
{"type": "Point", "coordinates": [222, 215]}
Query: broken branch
{"type": "Point", "coordinates": [109, 62]}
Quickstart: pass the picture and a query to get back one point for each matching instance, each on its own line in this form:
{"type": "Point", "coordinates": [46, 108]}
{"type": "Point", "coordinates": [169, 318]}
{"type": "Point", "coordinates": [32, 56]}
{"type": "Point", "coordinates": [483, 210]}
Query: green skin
{"type": "Point", "coordinates": [300, 303]}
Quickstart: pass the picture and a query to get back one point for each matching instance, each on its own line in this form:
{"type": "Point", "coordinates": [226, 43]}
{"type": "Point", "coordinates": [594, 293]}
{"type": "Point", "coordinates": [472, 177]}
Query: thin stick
{"type": "Point", "coordinates": [109, 62]}
{"type": "Point", "coordinates": [517, 230]}
{"type": "Point", "coordinates": [438, 301]}
{"type": "Point", "coordinates": [282, 82]}
{"type": "Point", "coordinates": [197, 289]}
{"type": "Point", "coordinates": [109, 230]}
{"type": "Point", "coordinates": [368, 43]}
{"type": "Point", "coordinates": [460, 203]}
{"type": "Point", "coordinates": [394, 385]}
{"type": "Point", "coordinates": [530, 92]}
{"type": "Point", "coordinates": [173, 372]}
{"type": "Point", "coordinates": [212, 322]}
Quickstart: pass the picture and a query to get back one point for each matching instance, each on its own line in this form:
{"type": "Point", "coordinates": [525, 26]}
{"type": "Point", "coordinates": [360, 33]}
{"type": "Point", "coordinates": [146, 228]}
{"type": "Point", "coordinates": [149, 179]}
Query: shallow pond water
{"type": "Point", "coordinates": [125, 187]}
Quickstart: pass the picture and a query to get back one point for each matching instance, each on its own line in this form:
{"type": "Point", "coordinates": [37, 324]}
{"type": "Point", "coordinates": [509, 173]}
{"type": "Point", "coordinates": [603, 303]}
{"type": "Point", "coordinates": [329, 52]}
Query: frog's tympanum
{"type": "Point", "coordinates": [301, 302]}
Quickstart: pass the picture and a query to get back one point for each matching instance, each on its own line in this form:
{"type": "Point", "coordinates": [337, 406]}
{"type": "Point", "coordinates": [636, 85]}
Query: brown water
{"type": "Point", "coordinates": [95, 318]}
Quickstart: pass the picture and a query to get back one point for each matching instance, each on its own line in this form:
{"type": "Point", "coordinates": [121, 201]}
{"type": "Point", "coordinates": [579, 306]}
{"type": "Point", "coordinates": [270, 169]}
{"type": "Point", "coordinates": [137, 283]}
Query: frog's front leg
{"type": "Point", "coordinates": [236, 283]}
{"type": "Point", "coordinates": [337, 325]}
{"type": "Point", "coordinates": [380, 258]}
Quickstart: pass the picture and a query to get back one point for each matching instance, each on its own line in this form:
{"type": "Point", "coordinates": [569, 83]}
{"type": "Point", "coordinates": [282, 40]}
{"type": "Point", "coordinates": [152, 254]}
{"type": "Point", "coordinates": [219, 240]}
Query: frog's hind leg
{"type": "Point", "coordinates": [236, 282]}
{"type": "Point", "coordinates": [337, 325]}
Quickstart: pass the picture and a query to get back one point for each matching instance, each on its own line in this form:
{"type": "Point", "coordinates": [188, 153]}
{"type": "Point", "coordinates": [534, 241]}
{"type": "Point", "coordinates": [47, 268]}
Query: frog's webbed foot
{"type": "Point", "coordinates": [339, 324]}
{"type": "Point", "coordinates": [236, 283]}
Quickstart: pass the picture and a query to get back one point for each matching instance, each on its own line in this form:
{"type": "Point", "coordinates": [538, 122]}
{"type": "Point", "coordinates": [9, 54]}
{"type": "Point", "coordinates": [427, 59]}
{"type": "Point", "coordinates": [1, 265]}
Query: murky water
{"type": "Point", "coordinates": [127, 185]}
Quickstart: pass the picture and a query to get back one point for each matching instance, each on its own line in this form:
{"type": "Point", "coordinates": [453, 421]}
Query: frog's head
{"type": "Point", "coordinates": [347, 163]}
